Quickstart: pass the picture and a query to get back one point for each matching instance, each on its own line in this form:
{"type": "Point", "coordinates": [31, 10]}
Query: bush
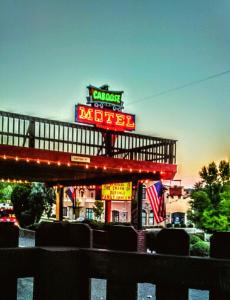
{"type": "Point", "coordinates": [169, 225]}
{"type": "Point", "coordinates": [200, 248]}
{"type": "Point", "coordinates": [94, 224]}
{"type": "Point", "coordinates": [30, 201]}
{"type": "Point", "coordinates": [194, 239]}
{"type": "Point", "coordinates": [183, 225]}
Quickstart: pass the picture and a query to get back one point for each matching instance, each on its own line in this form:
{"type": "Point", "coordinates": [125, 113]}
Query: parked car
{"type": "Point", "coordinates": [7, 215]}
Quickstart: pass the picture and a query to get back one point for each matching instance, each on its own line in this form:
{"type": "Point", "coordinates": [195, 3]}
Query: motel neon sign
{"type": "Point", "coordinates": [104, 118]}
{"type": "Point", "coordinates": [103, 98]}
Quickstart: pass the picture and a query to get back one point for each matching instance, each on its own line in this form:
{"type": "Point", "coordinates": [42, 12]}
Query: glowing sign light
{"type": "Point", "coordinates": [117, 191]}
{"type": "Point", "coordinates": [104, 118]}
{"type": "Point", "coordinates": [105, 98]}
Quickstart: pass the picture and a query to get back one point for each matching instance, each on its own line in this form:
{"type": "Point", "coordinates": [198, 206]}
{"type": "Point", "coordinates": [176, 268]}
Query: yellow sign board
{"type": "Point", "coordinates": [117, 191]}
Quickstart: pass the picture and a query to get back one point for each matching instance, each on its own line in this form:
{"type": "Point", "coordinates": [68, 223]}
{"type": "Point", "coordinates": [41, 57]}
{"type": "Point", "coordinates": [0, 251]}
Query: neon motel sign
{"type": "Point", "coordinates": [104, 118]}
{"type": "Point", "coordinates": [104, 96]}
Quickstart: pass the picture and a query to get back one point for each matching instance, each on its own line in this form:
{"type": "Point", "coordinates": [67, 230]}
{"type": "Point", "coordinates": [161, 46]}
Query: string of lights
{"type": "Point", "coordinates": [86, 166]}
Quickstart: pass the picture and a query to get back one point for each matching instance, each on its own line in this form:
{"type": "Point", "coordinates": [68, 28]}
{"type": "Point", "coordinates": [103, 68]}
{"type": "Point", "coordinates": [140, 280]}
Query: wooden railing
{"type": "Point", "coordinates": [63, 272]}
{"type": "Point", "coordinates": [27, 131]}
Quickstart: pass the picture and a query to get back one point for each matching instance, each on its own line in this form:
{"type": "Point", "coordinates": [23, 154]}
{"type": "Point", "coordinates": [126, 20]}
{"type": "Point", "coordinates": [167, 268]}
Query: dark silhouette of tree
{"type": "Point", "coordinates": [30, 201]}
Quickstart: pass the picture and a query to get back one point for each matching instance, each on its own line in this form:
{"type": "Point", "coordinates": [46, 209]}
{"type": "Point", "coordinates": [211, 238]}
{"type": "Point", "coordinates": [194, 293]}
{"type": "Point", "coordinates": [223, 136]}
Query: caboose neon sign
{"type": "Point", "coordinates": [105, 118]}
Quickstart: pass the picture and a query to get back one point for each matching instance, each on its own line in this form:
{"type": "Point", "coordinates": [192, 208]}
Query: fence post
{"type": "Point", "coordinates": [122, 238]}
{"type": "Point", "coordinates": [9, 234]}
{"type": "Point", "coordinates": [175, 242]}
{"type": "Point", "coordinates": [61, 272]}
{"type": "Point", "coordinates": [219, 248]}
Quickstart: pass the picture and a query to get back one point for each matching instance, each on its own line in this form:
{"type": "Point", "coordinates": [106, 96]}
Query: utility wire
{"type": "Point", "coordinates": [180, 87]}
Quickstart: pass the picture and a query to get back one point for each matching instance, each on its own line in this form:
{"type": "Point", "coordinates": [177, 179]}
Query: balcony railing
{"type": "Point", "coordinates": [27, 131]}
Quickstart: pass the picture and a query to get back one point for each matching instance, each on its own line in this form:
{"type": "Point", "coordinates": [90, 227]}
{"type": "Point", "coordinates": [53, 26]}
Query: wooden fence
{"type": "Point", "coordinates": [63, 262]}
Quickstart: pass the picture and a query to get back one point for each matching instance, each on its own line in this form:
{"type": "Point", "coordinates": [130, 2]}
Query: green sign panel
{"type": "Point", "coordinates": [102, 97]}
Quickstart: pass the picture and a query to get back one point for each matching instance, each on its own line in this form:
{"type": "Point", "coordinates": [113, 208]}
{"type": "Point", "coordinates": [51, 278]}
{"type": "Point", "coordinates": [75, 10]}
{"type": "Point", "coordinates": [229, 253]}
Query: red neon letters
{"type": "Point", "coordinates": [104, 118]}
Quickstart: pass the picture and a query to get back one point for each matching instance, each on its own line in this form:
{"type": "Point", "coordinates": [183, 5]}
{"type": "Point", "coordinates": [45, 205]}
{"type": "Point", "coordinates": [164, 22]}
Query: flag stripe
{"type": "Point", "coordinates": [156, 199]}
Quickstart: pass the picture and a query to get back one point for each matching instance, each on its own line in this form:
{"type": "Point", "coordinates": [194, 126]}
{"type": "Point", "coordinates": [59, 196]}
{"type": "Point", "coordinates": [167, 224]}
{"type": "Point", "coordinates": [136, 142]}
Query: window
{"type": "Point", "coordinates": [178, 218]}
{"type": "Point", "coordinates": [151, 218]}
{"type": "Point", "coordinates": [65, 211]}
{"type": "Point", "coordinates": [115, 216]}
{"type": "Point", "coordinates": [144, 217]}
{"type": "Point", "coordinates": [89, 213]}
{"type": "Point", "coordinates": [144, 192]}
{"type": "Point", "coordinates": [81, 193]}
{"type": "Point", "coordinates": [124, 216]}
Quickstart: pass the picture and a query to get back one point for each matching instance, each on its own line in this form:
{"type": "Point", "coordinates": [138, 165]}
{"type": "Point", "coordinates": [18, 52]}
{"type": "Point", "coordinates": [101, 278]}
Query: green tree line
{"type": "Point", "coordinates": [210, 205]}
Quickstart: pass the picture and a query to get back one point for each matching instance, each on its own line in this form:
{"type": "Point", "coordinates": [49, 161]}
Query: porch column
{"type": "Point", "coordinates": [139, 205]}
{"type": "Point", "coordinates": [108, 205]}
{"type": "Point", "coordinates": [59, 203]}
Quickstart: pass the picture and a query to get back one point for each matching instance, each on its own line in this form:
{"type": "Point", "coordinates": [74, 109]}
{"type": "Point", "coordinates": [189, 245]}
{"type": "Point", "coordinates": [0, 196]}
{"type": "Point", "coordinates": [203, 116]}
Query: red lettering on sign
{"type": "Point", "coordinates": [105, 118]}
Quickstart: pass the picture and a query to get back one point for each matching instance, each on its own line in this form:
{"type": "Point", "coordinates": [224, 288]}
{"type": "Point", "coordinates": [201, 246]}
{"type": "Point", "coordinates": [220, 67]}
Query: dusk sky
{"type": "Point", "coordinates": [50, 50]}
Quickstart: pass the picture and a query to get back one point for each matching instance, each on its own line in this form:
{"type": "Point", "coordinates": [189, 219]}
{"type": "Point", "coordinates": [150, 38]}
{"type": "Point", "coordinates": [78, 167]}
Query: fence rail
{"type": "Point", "coordinates": [64, 261]}
{"type": "Point", "coordinates": [27, 131]}
{"type": "Point", "coordinates": [123, 268]}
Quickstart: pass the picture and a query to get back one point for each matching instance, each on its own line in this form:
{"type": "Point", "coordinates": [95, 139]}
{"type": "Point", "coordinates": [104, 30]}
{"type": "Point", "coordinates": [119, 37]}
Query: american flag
{"type": "Point", "coordinates": [155, 194]}
{"type": "Point", "coordinates": [71, 194]}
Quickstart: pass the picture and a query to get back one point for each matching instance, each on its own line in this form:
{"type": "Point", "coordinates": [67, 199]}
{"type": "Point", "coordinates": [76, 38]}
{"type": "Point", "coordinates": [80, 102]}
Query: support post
{"type": "Point", "coordinates": [139, 205]}
{"type": "Point", "coordinates": [31, 133]}
{"type": "Point", "coordinates": [219, 248]}
{"type": "Point", "coordinates": [59, 203]}
{"type": "Point", "coordinates": [175, 242]}
{"type": "Point", "coordinates": [108, 205]}
{"type": "Point", "coordinates": [122, 238]}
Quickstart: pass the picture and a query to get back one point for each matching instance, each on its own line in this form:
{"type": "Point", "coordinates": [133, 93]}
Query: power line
{"type": "Point", "coordinates": [180, 87]}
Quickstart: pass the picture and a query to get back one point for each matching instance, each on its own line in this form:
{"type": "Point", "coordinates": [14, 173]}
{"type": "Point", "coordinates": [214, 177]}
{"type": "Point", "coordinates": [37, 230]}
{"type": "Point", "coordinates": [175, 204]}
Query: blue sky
{"type": "Point", "coordinates": [51, 50]}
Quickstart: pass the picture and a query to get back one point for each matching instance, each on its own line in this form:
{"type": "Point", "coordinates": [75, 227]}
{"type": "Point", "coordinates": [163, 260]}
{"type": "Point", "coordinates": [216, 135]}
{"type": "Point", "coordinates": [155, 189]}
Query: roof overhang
{"type": "Point", "coordinates": [52, 167]}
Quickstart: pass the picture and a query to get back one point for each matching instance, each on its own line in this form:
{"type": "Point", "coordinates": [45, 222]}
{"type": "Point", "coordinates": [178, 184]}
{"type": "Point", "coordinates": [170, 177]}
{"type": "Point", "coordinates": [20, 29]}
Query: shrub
{"type": "Point", "coordinates": [169, 225]}
{"type": "Point", "coordinates": [94, 224]}
{"type": "Point", "coordinates": [190, 225]}
{"type": "Point", "coordinates": [177, 225]}
{"type": "Point", "coordinates": [200, 248]}
{"type": "Point", "coordinates": [183, 225]}
{"type": "Point", "coordinates": [194, 239]}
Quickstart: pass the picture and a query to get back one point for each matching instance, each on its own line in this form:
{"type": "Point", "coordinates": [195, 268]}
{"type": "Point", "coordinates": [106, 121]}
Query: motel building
{"type": "Point", "coordinates": [176, 197]}
{"type": "Point", "coordinates": [85, 198]}
{"type": "Point", "coordinates": [99, 156]}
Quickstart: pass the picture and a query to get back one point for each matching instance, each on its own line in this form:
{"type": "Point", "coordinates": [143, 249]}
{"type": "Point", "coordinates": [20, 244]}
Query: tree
{"type": "Point", "coordinates": [5, 191]}
{"type": "Point", "coordinates": [19, 199]}
{"type": "Point", "coordinates": [98, 208]}
{"type": "Point", "coordinates": [210, 205]}
{"type": "Point", "coordinates": [30, 201]}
